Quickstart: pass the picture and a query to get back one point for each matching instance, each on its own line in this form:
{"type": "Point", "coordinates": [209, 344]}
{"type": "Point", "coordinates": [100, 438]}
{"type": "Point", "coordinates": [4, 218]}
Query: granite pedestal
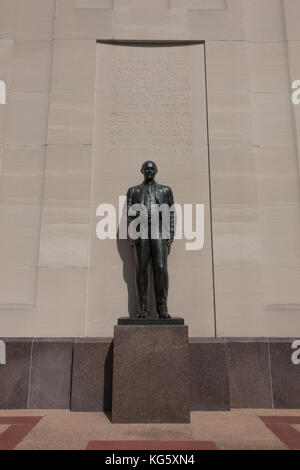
{"type": "Point", "coordinates": [151, 374]}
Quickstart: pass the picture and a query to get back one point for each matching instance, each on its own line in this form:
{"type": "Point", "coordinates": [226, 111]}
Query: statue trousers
{"type": "Point", "coordinates": [156, 251]}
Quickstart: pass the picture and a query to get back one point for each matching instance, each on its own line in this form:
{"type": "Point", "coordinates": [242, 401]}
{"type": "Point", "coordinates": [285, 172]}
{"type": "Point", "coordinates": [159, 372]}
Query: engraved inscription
{"type": "Point", "coordinates": [150, 106]}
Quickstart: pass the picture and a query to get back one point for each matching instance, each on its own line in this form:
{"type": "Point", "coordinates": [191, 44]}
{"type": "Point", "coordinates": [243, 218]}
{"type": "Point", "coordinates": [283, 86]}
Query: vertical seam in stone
{"type": "Point", "coordinates": [45, 156]}
{"type": "Point", "coordinates": [289, 72]}
{"type": "Point", "coordinates": [54, 24]}
{"type": "Point", "coordinates": [29, 378]}
{"type": "Point", "coordinates": [210, 196]}
{"type": "Point", "coordinates": [91, 194]}
{"type": "Point", "coordinates": [270, 374]}
{"type": "Point", "coordinates": [71, 374]}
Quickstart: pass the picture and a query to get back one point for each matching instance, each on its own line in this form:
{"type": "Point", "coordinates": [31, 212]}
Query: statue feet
{"type": "Point", "coordinates": [164, 315]}
{"type": "Point", "coordinates": [142, 314]}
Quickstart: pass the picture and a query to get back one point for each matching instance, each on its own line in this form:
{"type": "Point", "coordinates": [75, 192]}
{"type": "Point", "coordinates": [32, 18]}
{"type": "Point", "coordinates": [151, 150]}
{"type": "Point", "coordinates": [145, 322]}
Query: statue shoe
{"type": "Point", "coordinates": [142, 314]}
{"type": "Point", "coordinates": [164, 315]}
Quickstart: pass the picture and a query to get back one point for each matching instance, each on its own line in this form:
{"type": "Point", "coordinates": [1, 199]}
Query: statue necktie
{"type": "Point", "coordinates": [149, 191]}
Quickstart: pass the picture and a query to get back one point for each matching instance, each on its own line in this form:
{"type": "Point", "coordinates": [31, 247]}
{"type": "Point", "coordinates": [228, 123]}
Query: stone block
{"type": "Point", "coordinates": [14, 375]}
{"type": "Point", "coordinates": [61, 302]}
{"type": "Point", "coordinates": [31, 70]}
{"type": "Point", "coordinates": [6, 50]}
{"type": "Point", "coordinates": [34, 20]}
{"type": "Point", "coordinates": [151, 375]}
{"type": "Point", "coordinates": [292, 12]}
{"type": "Point", "coordinates": [71, 117]}
{"type": "Point", "coordinates": [22, 178]}
{"type": "Point", "coordinates": [58, 298]}
{"type": "Point", "coordinates": [92, 375]}
{"type": "Point", "coordinates": [285, 374]}
{"type": "Point", "coordinates": [74, 65]}
{"type": "Point", "coordinates": [64, 236]}
{"type": "Point", "coordinates": [209, 374]}
{"type": "Point", "coordinates": [17, 290]}
{"type": "Point", "coordinates": [50, 381]}
{"type": "Point", "coordinates": [268, 68]}
{"type": "Point", "coordinates": [19, 247]}
{"type": "Point", "coordinates": [75, 22]}
{"type": "Point", "coordinates": [250, 376]}
{"type": "Point", "coordinates": [263, 21]}
{"type": "Point", "coordinates": [27, 118]}
{"type": "Point", "coordinates": [68, 175]}
{"type": "Point", "coordinates": [7, 19]}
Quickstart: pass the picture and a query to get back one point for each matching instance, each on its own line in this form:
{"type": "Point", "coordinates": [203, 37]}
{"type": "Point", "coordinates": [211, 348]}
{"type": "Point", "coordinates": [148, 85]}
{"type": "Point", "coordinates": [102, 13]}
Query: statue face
{"type": "Point", "coordinates": [149, 172]}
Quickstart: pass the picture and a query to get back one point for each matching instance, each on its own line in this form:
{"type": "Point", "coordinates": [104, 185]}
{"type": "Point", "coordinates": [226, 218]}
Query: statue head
{"type": "Point", "coordinates": [149, 170]}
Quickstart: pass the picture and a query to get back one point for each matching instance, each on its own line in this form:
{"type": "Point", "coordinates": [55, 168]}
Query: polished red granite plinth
{"type": "Point", "coordinates": [151, 374]}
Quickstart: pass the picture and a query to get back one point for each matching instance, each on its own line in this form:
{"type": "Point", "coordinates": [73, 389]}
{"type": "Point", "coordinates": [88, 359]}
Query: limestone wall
{"type": "Point", "coordinates": [54, 170]}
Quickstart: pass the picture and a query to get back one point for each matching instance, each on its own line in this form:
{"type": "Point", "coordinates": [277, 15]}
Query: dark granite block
{"type": "Point", "coordinates": [151, 375]}
{"type": "Point", "coordinates": [209, 376]}
{"type": "Point", "coordinates": [249, 372]}
{"type": "Point", "coordinates": [14, 375]}
{"type": "Point", "coordinates": [285, 375]}
{"type": "Point", "coordinates": [50, 382]}
{"type": "Point", "coordinates": [150, 321]}
{"type": "Point", "coordinates": [92, 375]}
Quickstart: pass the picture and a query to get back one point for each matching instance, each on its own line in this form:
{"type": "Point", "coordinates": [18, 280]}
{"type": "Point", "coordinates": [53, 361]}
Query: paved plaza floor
{"type": "Point", "coordinates": [63, 429]}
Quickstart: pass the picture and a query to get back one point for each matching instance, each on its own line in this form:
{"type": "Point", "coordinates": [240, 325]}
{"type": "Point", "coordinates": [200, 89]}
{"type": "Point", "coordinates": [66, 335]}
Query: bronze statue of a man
{"type": "Point", "coordinates": [152, 244]}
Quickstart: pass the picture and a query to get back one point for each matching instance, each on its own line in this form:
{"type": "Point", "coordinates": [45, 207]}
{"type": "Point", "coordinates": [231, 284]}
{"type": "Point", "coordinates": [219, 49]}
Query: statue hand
{"type": "Point", "coordinates": [170, 241]}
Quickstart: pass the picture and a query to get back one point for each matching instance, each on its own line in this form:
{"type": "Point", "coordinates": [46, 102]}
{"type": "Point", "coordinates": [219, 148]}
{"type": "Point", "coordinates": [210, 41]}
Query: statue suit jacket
{"type": "Point", "coordinates": [163, 194]}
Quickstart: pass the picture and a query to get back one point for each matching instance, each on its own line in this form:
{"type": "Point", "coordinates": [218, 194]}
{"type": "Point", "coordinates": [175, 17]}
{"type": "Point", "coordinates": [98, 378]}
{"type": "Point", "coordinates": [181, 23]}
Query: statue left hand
{"type": "Point", "coordinates": [170, 241]}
